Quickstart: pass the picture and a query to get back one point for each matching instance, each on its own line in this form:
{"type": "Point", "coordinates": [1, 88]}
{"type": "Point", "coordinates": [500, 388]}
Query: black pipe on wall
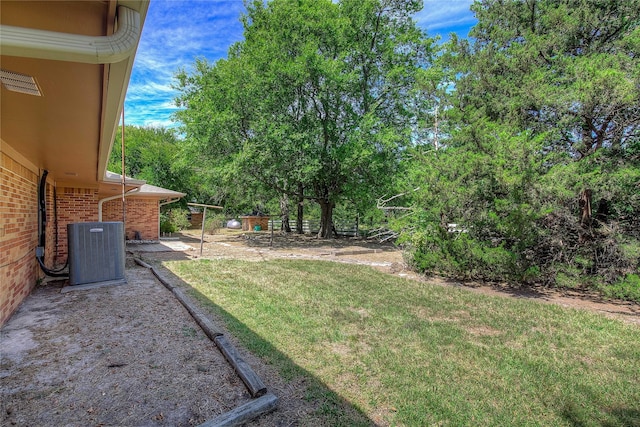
{"type": "Point", "coordinates": [42, 229]}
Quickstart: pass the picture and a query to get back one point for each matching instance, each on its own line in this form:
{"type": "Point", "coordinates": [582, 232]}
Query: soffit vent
{"type": "Point", "coordinates": [22, 83]}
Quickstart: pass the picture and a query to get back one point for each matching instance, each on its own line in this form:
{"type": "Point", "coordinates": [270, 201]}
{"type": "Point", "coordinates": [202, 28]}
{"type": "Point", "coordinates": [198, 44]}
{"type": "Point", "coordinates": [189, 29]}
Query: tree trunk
{"type": "Point", "coordinates": [299, 220]}
{"type": "Point", "coordinates": [585, 215]}
{"type": "Point", "coordinates": [585, 207]}
{"type": "Point", "coordinates": [284, 213]}
{"type": "Point", "coordinates": [326, 219]}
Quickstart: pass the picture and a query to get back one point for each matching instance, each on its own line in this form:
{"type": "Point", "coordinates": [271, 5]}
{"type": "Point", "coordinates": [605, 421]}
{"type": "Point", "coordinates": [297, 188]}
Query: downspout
{"type": "Point", "coordinates": [42, 44]}
{"type": "Point", "coordinates": [124, 181]}
{"type": "Point", "coordinates": [42, 210]}
{"type": "Point", "coordinates": [106, 199]}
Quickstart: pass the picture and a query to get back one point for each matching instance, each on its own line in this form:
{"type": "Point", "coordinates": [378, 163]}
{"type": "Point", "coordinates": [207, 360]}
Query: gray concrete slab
{"type": "Point", "coordinates": [163, 246]}
{"type": "Point", "coordinates": [94, 285]}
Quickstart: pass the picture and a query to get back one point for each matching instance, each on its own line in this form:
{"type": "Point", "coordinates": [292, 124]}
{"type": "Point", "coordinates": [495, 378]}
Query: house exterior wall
{"type": "Point", "coordinates": [19, 225]}
{"type": "Point", "coordinates": [142, 215]}
{"type": "Point", "coordinates": [73, 205]}
{"type": "Point", "coordinates": [18, 232]}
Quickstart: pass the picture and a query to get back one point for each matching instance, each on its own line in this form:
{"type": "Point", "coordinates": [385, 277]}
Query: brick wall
{"type": "Point", "coordinates": [18, 233]}
{"type": "Point", "coordinates": [142, 215]}
{"type": "Point", "coordinates": [74, 205]}
{"type": "Point", "coordinates": [19, 270]}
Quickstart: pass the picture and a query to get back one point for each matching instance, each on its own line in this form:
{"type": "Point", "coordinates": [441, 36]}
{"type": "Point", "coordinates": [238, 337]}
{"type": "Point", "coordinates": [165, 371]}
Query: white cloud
{"type": "Point", "coordinates": [439, 15]}
{"type": "Point", "coordinates": [176, 32]}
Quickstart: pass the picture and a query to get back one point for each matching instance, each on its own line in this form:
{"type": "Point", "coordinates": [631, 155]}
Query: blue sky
{"type": "Point", "coordinates": [176, 32]}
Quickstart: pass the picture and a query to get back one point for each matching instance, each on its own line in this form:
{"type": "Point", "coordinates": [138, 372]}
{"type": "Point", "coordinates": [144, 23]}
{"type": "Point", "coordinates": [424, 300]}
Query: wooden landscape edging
{"type": "Point", "coordinates": [249, 377]}
{"type": "Point", "coordinates": [356, 252]}
{"type": "Point", "coordinates": [207, 326]}
{"type": "Point", "coordinates": [265, 402]}
{"type": "Point", "coordinates": [244, 413]}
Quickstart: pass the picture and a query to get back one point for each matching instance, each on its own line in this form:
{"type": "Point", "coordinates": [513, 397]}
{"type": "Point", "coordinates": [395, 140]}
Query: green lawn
{"type": "Point", "coordinates": [377, 348]}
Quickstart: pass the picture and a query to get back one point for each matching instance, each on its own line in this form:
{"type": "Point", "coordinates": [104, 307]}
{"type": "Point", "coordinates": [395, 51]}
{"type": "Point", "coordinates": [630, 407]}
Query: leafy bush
{"type": "Point", "coordinates": [463, 255]}
{"type": "Point", "coordinates": [523, 220]}
{"type": "Point", "coordinates": [174, 220]}
{"type": "Point", "coordinates": [214, 222]}
{"type": "Point", "coordinates": [627, 288]}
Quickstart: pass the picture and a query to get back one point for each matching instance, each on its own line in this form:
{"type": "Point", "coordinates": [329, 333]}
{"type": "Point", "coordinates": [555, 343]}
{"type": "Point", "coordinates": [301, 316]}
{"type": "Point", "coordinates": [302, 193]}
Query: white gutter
{"type": "Point", "coordinates": [118, 196]}
{"type": "Point", "coordinates": [32, 43]}
{"type": "Point", "coordinates": [169, 201]}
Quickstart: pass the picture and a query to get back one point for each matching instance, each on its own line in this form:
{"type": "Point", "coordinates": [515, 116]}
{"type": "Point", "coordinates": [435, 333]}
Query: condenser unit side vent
{"type": "Point", "coordinates": [96, 252]}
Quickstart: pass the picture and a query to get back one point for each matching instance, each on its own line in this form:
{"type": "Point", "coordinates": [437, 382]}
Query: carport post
{"type": "Point", "coordinates": [204, 217]}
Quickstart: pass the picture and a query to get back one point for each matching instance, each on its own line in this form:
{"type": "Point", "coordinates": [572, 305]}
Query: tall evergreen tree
{"type": "Point", "coordinates": [567, 68]}
{"type": "Point", "coordinates": [542, 108]}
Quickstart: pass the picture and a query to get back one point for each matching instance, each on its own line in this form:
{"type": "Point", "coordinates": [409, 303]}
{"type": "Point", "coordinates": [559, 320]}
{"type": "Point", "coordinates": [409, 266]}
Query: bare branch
{"type": "Point", "coordinates": [382, 201]}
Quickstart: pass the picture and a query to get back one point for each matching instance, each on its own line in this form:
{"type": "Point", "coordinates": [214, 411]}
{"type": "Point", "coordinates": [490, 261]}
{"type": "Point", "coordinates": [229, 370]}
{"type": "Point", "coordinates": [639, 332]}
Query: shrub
{"type": "Point", "coordinates": [627, 288]}
{"type": "Point", "coordinates": [523, 214]}
{"type": "Point", "coordinates": [173, 220]}
{"type": "Point", "coordinates": [214, 222]}
{"type": "Point", "coordinates": [461, 254]}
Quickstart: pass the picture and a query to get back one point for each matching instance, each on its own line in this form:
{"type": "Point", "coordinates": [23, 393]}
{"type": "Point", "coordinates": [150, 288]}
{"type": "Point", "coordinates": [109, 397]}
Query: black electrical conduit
{"type": "Point", "coordinates": [42, 206]}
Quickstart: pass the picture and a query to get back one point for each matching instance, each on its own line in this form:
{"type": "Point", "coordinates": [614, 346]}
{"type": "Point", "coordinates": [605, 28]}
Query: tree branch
{"type": "Point", "coordinates": [381, 201]}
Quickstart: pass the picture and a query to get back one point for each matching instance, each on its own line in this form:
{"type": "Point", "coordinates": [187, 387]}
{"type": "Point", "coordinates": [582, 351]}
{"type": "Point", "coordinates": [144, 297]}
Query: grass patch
{"type": "Point", "coordinates": [377, 348]}
{"type": "Point", "coordinates": [627, 288]}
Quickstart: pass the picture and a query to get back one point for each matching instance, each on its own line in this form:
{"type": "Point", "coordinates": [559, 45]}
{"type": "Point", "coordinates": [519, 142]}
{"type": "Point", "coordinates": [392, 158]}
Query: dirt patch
{"type": "Point", "coordinates": [259, 246]}
{"type": "Point", "coordinates": [127, 355]}
{"type": "Point", "coordinates": [625, 311]}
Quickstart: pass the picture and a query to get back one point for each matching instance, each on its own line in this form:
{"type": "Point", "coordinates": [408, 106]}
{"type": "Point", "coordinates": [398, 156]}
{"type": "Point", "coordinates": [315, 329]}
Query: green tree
{"type": "Point", "coordinates": [151, 154]}
{"type": "Point", "coordinates": [317, 102]}
{"type": "Point", "coordinates": [540, 105]}
{"type": "Point", "coordinates": [567, 68]}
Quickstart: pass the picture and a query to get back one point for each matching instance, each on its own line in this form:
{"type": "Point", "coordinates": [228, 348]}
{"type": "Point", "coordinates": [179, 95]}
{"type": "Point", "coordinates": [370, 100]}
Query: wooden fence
{"type": "Point", "coordinates": [343, 228]}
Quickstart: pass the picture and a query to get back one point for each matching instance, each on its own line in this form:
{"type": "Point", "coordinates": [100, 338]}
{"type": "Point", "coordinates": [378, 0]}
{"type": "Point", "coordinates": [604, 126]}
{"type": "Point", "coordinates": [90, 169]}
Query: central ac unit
{"type": "Point", "coordinates": [96, 252]}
